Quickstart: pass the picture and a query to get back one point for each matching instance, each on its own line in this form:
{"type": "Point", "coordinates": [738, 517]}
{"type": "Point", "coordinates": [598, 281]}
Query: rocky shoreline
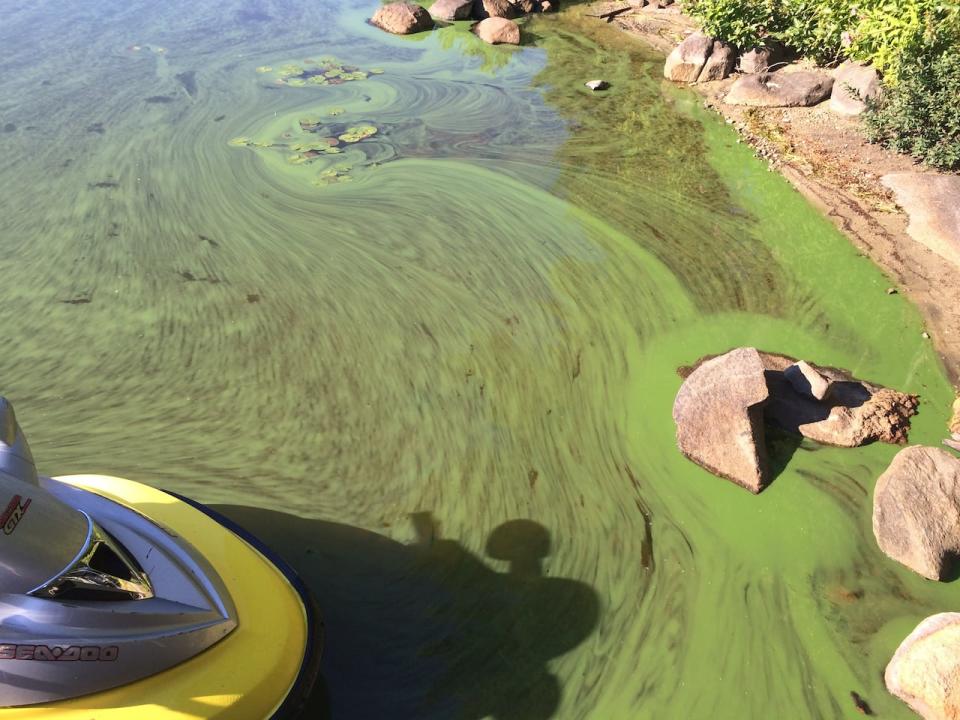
{"type": "Point", "coordinates": [898, 213]}
{"type": "Point", "coordinates": [723, 412]}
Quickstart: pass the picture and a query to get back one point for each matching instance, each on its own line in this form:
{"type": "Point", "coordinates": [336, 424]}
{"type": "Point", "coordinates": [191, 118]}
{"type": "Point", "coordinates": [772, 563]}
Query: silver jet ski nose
{"type": "Point", "coordinates": [61, 552]}
{"type": "Point", "coordinates": [87, 579]}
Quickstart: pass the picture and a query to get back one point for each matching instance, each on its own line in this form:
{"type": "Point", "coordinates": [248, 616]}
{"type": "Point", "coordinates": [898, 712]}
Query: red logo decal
{"type": "Point", "coordinates": [13, 514]}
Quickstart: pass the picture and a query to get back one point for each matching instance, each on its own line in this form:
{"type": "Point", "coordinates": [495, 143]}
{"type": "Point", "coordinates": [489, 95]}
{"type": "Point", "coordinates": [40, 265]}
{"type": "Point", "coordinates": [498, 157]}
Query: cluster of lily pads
{"type": "Point", "coordinates": [322, 71]}
{"type": "Point", "coordinates": [324, 139]}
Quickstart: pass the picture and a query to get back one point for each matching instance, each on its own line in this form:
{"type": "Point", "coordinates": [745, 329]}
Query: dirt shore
{"type": "Point", "coordinates": [826, 157]}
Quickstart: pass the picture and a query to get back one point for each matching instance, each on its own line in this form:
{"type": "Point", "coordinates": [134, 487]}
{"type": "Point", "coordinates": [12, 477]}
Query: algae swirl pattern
{"type": "Point", "coordinates": [443, 388]}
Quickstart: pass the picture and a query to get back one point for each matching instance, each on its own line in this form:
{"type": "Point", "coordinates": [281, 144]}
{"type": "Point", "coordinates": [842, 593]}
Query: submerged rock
{"type": "Point", "coordinates": [448, 10]}
{"type": "Point", "coordinates": [916, 510]}
{"type": "Point", "coordinates": [688, 58]}
{"type": "Point", "coordinates": [719, 418]}
{"type": "Point", "coordinates": [498, 30]}
{"type": "Point", "coordinates": [781, 89]}
{"type": "Point", "coordinates": [925, 670]}
{"type": "Point", "coordinates": [853, 83]}
{"type": "Point", "coordinates": [402, 18]}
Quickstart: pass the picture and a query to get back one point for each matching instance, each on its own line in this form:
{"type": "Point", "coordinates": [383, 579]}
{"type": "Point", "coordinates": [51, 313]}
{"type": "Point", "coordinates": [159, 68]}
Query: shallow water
{"type": "Point", "coordinates": [440, 379]}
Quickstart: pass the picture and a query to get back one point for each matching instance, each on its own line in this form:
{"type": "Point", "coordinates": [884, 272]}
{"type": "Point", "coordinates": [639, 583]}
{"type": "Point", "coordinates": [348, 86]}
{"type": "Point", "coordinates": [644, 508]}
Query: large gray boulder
{"type": "Point", "coordinates": [852, 84]}
{"type": "Point", "coordinates": [719, 64]}
{"type": "Point", "coordinates": [726, 401]}
{"type": "Point", "coordinates": [760, 59]}
{"type": "Point", "coordinates": [925, 670]}
{"type": "Point", "coordinates": [402, 18]}
{"type": "Point", "coordinates": [719, 417]}
{"type": "Point", "coordinates": [483, 9]}
{"type": "Point", "coordinates": [449, 10]}
{"type": "Point", "coordinates": [930, 201]}
{"type": "Point", "coordinates": [780, 89]}
{"type": "Point", "coordinates": [916, 510]}
{"type": "Point", "coordinates": [688, 58]}
{"type": "Point", "coordinates": [497, 31]}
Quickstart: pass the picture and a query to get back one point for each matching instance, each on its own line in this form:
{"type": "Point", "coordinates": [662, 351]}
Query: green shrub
{"type": "Point", "coordinates": [880, 32]}
{"type": "Point", "coordinates": [744, 23]}
{"type": "Point", "coordinates": [889, 34]}
{"type": "Point", "coordinates": [915, 44]}
{"type": "Point", "coordinates": [921, 114]}
{"type": "Point", "coordinates": [815, 28]}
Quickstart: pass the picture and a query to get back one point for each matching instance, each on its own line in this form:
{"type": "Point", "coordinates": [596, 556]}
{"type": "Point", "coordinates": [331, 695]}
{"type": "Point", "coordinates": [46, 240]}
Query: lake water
{"type": "Point", "coordinates": [436, 369]}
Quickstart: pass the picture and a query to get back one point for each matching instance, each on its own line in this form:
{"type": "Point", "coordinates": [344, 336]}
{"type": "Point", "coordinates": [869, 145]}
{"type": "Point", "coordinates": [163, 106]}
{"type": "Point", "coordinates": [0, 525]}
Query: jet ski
{"type": "Point", "coordinates": [119, 600]}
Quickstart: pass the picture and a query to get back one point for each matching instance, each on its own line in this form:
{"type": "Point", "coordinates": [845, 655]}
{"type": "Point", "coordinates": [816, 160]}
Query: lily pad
{"type": "Point", "coordinates": [239, 142]}
{"type": "Point", "coordinates": [358, 133]}
{"type": "Point", "coordinates": [264, 69]}
{"type": "Point", "coordinates": [319, 144]}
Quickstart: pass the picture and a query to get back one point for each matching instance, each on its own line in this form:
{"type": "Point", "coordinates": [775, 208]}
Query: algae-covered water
{"type": "Point", "coordinates": [436, 369]}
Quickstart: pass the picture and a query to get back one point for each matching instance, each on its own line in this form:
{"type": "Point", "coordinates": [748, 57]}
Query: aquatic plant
{"type": "Point", "coordinates": [358, 133]}
{"type": "Point", "coordinates": [316, 145]}
{"type": "Point", "coordinates": [310, 124]}
{"type": "Point", "coordinates": [239, 142]}
{"type": "Point", "coordinates": [338, 173]}
{"type": "Point", "coordinates": [325, 71]}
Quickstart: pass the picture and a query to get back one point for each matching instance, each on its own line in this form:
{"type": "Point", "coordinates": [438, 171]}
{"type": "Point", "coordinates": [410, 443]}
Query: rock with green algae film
{"type": "Point", "coordinates": [925, 670]}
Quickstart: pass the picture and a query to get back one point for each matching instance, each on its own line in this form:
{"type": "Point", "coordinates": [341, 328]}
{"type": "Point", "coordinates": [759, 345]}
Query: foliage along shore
{"type": "Point", "coordinates": [913, 44]}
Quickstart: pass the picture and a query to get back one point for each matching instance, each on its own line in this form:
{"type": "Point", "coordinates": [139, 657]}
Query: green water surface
{"type": "Point", "coordinates": [440, 378]}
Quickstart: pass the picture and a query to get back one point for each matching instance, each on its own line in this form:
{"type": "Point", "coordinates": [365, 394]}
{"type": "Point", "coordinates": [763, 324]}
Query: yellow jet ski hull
{"type": "Point", "coordinates": [264, 669]}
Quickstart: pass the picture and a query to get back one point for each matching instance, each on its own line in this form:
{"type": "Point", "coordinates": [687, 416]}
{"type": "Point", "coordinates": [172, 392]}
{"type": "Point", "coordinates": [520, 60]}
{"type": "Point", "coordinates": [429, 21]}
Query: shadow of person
{"type": "Point", "coordinates": [429, 630]}
{"type": "Point", "coordinates": [527, 620]}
